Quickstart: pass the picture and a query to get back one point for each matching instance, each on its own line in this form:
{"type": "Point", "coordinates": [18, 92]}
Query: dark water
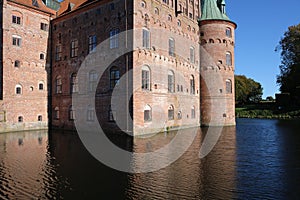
{"type": "Point", "coordinates": [257, 159]}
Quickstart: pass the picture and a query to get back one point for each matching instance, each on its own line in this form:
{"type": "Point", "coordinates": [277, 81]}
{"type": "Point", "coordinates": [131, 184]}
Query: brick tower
{"type": "Point", "coordinates": [217, 102]}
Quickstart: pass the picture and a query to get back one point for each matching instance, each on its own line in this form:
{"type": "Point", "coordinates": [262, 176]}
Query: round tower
{"type": "Point", "coordinates": [217, 102]}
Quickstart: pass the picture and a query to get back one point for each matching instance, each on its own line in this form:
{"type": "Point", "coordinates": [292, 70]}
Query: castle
{"type": "Point", "coordinates": [144, 66]}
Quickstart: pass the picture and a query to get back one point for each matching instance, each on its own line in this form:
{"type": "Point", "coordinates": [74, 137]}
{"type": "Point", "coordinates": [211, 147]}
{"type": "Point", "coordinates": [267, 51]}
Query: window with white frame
{"type": "Point", "coordinates": [74, 83]}
{"type": "Point", "coordinates": [114, 38]}
{"type": "Point", "coordinates": [16, 40]}
{"type": "Point", "coordinates": [74, 48]}
{"type": "Point", "coordinates": [18, 89]}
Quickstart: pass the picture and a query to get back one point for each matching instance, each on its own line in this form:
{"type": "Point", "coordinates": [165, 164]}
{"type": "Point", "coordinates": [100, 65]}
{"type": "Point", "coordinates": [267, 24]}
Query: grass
{"type": "Point", "coordinates": [266, 110]}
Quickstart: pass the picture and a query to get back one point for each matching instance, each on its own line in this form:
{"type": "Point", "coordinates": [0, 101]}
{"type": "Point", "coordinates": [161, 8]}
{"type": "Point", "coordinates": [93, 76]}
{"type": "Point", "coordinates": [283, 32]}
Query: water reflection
{"type": "Point", "coordinates": [259, 159]}
{"type": "Point", "coordinates": [189, 177]}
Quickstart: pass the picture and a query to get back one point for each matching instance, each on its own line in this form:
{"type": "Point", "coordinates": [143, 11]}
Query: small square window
{"type": "Point", "coordinates": [16, 19]}
{"type": "Point", "coordinates": [44, 27]}
{"type": "Point", "coordinates": [16, 41]}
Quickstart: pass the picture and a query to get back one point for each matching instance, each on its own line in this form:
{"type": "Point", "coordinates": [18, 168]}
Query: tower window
{"type": "Point", "coordinates": [42, 56]}
{"type": "Point", "coordinates": [171, 47]}
{"type": "Point", "coordinates": [20, 119]}
{"type": "Point", "coordinates": [171, 82]}
{"type": "Point", "coordinates": [228, 86]}
{"type": "Point", "coordinates": [145, 78]}
{"type": "Point", "coordinates": [192, 54]}
{"type": "Point", "coordinates": [192, 85]}
{"type": "Point", "coordinates": [193, 112]}
{"type": "Point", "coordinates": [41, 86]}
{"type": "Point", "coordinates": [146, 38]}
{"type": "Point", "coordinates": [228, 59]}
{"type": "Point", "coordinates": [18, 89]}
{"type": "Point", "coordinates": [40, 118]}
{"type": "Point", "coordinates": [228, 32]}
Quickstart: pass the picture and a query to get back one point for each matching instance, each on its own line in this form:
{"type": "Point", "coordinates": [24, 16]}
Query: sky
{"type": "Point", "coordinates": [260, 26]}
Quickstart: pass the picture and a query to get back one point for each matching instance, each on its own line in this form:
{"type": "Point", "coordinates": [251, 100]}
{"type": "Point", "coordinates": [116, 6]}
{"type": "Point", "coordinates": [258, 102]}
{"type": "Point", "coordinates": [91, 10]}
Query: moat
{"type": "Point", "coordinates": [257, 159]}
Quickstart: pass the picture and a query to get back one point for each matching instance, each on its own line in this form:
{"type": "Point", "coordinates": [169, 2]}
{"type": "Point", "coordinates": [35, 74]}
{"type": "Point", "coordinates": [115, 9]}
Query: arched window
{"type": "Point", "coordinates": [171, 47]}
{"type": "Point", "coordinates": [56, 113]}
{"type": "Point", "coordinates": [41, 86]}
{"type": "Point", "coordinates": [145, 78]}
{"type": "Point", "coordinates": [18, 89]}
{"type": "Point", "coordinates": [156, 11]}
{"type": "Point", "coordinates": [228, 32]}
{"type": "Point", "coordinates": [71, 113]}
{"type": "Point", "coordinates": [40, 118]}
{"type": "Point", "coordinates": [171, 81]}
{"type": "Point", "coordinates": [20, 119]}
{"type": "Point", "coordinates": [17, 63]}
{"type": "Point", "coordinates": [58, 85]}
{"type": "Point", "coordinates": [171, 112]}
{"type": "Point", "coordinates": [228, 86]}
{"type": "Point", "coordinates": [92, 80]}
{"type": "Point", "coordinates": [192, 54]}
{"type": "Point", "coordinates": [147, 113]}
{"type": "Point", "coordinates": [114, 38]}
{"type": "Point", "coordinates": [169, 18]}
{"type": "Point", "coordinates": [192, 84]}
{"type": "Point", "coordinates": [178, 23]}
{"type": "Point", "coordinates": [193, 112]}
{"type": "Point", "coordinates": [42, 56]}
{"type": "Point", "coordinates": [74, 83]}
{"type": "Point", "coordinates": [146, 38]}
{"type": "Point", "coordinates": [228, 59]}
{"type": "Point", "coordinates": [179, 115]}
{"type": "Point", "coordinates": [143, 4]}
{"type": "Point", "coordinates": [114, 77]}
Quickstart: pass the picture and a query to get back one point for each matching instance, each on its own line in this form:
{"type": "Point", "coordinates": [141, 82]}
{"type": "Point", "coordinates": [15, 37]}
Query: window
{"type": "Point", "coordinates": [74, 48]}
{"type": "Point", "coordinates": [112, 6]}
{"type": "Point", "coordinates": [228, 59]}
{"type": "Point", "coordinates": [16, 41]}
{"type": "Point", "coordinates": [166, 1]}
{"type": "Point", "coordinates": [171, 82]}
{"type": "Point", "coordinates": [179, 115]}
{"type": "Point", "coordinates": [44, 26]}
{"type": "Point", "coordinates": [59, 38]}
{"type": "Point", "coordinates": [90, 114]}
{"type": "Point", "coordinates": [58, 84]}
{"type": "Point", "coordinates": [193, 112]}
{"type": "Point", "coordinates": [71, 113]}
{"type": "Point", "coordinates": [40, 118]}
{"type": "Point", "coordinates": [228, 32]}
{"type": "Point", "coordinates": [169, 18]}
{"type": "Point", "coordinates": [147, 113]}
{"type": "Point", "coordinates": [145, 78]}
{"type": "Point", "coordinates": [18, 89]}
{"type": "Point", "coordinates": [17, 63]}
{"type": "Point", "coordinates": [171, 47]}
{"type": "Point", "coordinates": [93, 76]}
{"type": "Point", "coordinates": [16, 19]}
{"type": "Point", "coordinates": [192, 84]}
{"type": "Point", "coordinates": [110, 114]}
{"type": "Point", "coordinates": [191, 15]}
{"type": "Point", "coordinates": [146, 38]}
{"type": "Point", "coordinates": [42, 56]}
{"type": "Point", "coordinates": [228, 86]}
{"type": "Point", "coordinates": [92, 43]}
{"type": "Point", "coordinates": [41, 86]}
{"type": "Point", "coordinates": [156, 11]}
{"type": "Point", "coordinates": [114, 77]}
{"type": "Point", "coordinates": [192, 55]}
{"type": "Point", "coordinates": [171, 112]}
{"type": "Point", "coordinates": [74, 83]}
{"type": "Point", "coordinates": [178, 23]}
{"type": "Point", "coordinates": [56, 113]}
{"type": "Point", "coordinates": [58, 52]}
{"type": "Point", "coordinates": [20, 119]}
{"type": "Point", "coordinates": [114, 38]}
{"type": "Point", "coordinates": [143, 4]}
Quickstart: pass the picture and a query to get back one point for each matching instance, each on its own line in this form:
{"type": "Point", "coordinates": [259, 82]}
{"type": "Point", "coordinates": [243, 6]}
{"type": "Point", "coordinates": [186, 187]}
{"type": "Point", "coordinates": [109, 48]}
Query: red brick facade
{"type": "Point", "coordinates": [25, 30]}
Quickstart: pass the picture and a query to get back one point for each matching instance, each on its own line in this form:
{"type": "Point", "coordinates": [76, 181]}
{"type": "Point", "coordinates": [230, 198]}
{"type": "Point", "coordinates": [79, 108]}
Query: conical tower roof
{"type": "Point", "coordinates": [213, 10]}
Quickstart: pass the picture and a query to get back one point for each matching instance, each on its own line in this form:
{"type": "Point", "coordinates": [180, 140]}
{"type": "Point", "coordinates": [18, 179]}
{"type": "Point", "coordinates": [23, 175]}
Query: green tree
{"type": "Point", "coordinates": [247, 90]}
{"type": "Point", "coordinates": [288, 79]}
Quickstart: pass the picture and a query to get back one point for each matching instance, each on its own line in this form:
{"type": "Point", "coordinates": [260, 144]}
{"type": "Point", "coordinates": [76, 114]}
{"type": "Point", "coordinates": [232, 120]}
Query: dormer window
{"type": "Point", "coordinates": [35, 3]}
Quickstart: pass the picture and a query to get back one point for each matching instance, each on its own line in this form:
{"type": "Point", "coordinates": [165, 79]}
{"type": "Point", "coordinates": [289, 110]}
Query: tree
{"type": "Point", "coordinates": [288, 79]}
{"type": "Point", "coordinates": [247, 90]}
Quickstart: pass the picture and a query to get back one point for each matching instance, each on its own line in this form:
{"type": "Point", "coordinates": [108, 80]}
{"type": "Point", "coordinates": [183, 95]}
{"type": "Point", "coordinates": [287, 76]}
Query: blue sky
{"type": "Point", "coordinates": [261, 24]}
